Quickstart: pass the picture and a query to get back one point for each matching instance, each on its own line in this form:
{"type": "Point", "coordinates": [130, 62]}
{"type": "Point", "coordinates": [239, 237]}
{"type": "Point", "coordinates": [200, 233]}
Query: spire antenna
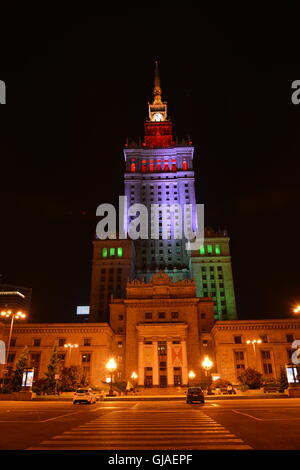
{"type": "Point", "coordinates": [157, 87]}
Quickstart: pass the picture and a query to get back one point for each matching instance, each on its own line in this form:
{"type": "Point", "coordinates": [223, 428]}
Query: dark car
{"type": "Point", "coordinates": [194, 394]}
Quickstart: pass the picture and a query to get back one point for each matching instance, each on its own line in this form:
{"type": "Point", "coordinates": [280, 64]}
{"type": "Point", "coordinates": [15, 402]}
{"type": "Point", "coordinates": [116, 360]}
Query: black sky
{"type": "Point", "coordinates": [78, 84]}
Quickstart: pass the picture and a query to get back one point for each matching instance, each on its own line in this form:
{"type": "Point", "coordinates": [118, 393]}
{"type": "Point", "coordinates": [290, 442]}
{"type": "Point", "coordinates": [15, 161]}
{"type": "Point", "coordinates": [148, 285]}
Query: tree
{"type": "Point", "coordinates": [251, 377]}
{"type": "Point", "coordinates": [70, 378]}
{"type": "Point", "coordinates": [15, 383]}
{"type": "Point", "coordinates": [283, 380]}
{"type": "Point", "coordinates": [50, 383]}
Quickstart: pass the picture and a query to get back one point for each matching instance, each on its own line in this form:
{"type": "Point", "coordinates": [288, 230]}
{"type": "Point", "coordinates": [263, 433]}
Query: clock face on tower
{"type": "Point", "coordinates": [157, 117]}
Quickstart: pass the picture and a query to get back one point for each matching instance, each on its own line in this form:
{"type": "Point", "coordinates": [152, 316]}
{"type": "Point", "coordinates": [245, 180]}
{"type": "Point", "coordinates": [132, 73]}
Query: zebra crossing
{"type": "Point", "coordinates": [147, 430]}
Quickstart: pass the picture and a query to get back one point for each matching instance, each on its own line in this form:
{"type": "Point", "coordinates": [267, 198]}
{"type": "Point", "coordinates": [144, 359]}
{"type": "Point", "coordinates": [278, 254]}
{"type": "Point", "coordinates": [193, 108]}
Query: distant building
{"type": "Point", "coordinates": [15, 298]}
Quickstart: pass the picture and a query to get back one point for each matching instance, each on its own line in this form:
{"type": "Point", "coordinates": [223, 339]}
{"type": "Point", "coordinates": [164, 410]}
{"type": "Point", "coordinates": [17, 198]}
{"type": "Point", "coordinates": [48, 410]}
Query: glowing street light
{"type": "Point", "coordinates": [13, 316]}
{"type": "Point", "coordinates": [134, 377]}
{"type": "Point", "coordinates": [207, 365]}
{"type": "Point", "coordinates": [111, 366]}
{"type": "Point", "coordinates": [297, 309]}
{"type": "Point", "coordinates": [70, 346]}
{"type": "Point", "coordinates": [191, 376]}
{"type": "Point", "coordinates": [254, 342]}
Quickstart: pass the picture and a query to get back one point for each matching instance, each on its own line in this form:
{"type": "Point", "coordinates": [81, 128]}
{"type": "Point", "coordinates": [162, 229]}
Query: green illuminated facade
{"type": "Point", "coordinates": [211, 269]}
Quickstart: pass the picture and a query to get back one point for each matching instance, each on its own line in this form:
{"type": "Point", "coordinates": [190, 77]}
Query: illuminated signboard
{"type": "Point", "coordinates": [83, 310]}
{"type": "Point", "coordinates": [27, 379]}
{"type": "Point", "coordinates": [292, 374]}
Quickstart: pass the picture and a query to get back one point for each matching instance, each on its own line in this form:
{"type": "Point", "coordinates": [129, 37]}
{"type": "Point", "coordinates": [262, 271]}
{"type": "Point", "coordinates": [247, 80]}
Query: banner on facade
{"type": "Point", "coordinates": [148, 355]}
{"type": "Point", "coordinates": [177, 355]}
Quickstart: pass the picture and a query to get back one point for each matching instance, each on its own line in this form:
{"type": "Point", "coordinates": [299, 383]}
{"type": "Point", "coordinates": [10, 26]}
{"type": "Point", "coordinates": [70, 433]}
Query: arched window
{"type": "Point", "coordinates": [132, 167]}
{"type": "Point", "coordinates": [166, 165]}
{"type": "Point", "coordinates": [151, 166]}
{"type": "Point", "coordinates": [174, 164]}
{"type": "Point", "coordinates": [184, 165]}
{"type": "Point", "coordinates": [158, 165]}
{"type": "Point", "coordinates": [144, 166]}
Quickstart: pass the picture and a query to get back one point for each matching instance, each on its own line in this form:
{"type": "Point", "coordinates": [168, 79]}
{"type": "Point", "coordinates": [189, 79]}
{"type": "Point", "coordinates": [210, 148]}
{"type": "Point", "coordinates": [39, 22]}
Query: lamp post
{"type": "Point", "coordinates": [13, 316]}
{"type": "Point", "coordinates": [191, 377]}
{"type": "Point", "coordinates": [207, 365]}
{"type": "Point", "coordinates": [134, 377]}
{"type": "Point", "coordinates": [111, 367]}
{"type": "Point", "coordinates": [70, 346]}
{"type": "Point", "coordinates": [254, 342]}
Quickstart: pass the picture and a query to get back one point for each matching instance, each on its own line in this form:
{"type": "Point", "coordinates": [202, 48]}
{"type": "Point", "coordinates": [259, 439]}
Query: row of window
{"type": "Point", "coordinates": [112, 252]}
{"type": "Point", "coordinates": [266, 361]}
{"type": "Point", "coordinates": [161, 315]}
{"type": "Point", "coordinates": [264, 339]}
{"type": "Point", "coordinates": [157, 165]}
{"type": "Point", "coordinates": [36, 342]}
{"type": "Point", "coordinates": [210, 250]}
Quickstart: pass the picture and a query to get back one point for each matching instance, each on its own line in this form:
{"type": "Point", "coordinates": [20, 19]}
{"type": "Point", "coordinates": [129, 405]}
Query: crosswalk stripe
{"type": "Point", "coordinates": [146, 432]}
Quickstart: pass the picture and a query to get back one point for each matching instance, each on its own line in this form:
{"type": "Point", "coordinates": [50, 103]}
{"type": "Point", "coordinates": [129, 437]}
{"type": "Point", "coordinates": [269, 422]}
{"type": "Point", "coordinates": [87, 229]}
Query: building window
{"type": "Point", "coordinates": [87, 342]}
{"type": "Point", "coordinates": [112, 252]}
{"type": "Point", "coordinates": [217, 250]}
{"type": "Point", "coordinates": [209, 249]}
{"type": "Point", "coordinates": [120, 251]}
{"type": "Point", "coordinates": [266, 362]}
{"type": "Point", "coordinates": [177, 376]}
{"type": "Point", "coordinates": [239, 358]}
{"type": "Point", "coordinates": [161, 315]}
{"type": "Point", "coordinates": [13, 342]}
{"type": "Point", "coordinates": [175, 315]}
{"type": "Point", "coordinates": [289, 338]}
{"type": "Point", "coordinates": [36, 341]}
{"type": "Point", "coordinates": [203, 316]}
{"type": "Point", "coordinates": [35, 363]}
{"type": "Point", "coordinates": [120, 317]}
{"type": "Point", "coordinates": [61, 341]}
{"type": "Point", "coordinates": [162, 348]}
{"type": "Point", "coordinates": [104, 252]}
{"type": "Point", "coordinates": [237, 339]}
{"type": "Point", "coordinates": [148, 316]}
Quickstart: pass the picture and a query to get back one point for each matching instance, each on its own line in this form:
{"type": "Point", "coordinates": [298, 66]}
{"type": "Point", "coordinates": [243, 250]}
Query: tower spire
{"type": "Point", "coordinates": [157, 88]}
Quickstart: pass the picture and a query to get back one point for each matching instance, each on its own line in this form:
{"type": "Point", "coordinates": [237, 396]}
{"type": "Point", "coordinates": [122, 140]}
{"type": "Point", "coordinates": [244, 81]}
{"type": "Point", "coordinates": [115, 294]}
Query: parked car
{"type": "Point", "coordinates": [194, 394]}
{"type": "Point", "coordinates": [84, 395]}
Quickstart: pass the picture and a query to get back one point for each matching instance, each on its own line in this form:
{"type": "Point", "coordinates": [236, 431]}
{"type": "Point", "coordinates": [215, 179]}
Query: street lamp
{"type": "Point", "coordinates": [111, 367]}
{"type": "Point", "coordinates": [191, 376]}
{"type": "Point", "coordinates": [70, 346]}
{"type": "Point", "coordinates": [134, 377]}
{"type": "Point", "coordinates": [296, 309]}
{"type": "Point", "coordinates": [13, 316]}
{"type": "Point", "coordinates": [254, 342]}
{"type": "Point", "coordinates": [207, 365]}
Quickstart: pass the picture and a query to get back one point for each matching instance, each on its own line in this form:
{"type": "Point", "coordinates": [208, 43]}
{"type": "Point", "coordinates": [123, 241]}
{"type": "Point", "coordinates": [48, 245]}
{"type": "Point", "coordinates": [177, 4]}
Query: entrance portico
{"type": "Point", "coordinates": [162, 358]}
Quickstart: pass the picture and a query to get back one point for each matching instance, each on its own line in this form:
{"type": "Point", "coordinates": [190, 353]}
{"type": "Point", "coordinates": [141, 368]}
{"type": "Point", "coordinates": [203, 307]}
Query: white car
{"type": "Point", "coordinates": [84, 395]}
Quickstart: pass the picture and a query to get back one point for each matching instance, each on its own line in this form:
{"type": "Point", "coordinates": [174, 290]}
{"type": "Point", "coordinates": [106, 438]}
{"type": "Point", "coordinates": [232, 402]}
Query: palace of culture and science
{"type": "Point", "coordinates": [157, 308]}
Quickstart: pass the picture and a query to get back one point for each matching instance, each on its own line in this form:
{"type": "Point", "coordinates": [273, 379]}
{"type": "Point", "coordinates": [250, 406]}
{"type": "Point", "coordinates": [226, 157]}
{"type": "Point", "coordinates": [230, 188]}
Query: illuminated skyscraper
{"type": "Point", "coordinates": [159, 172]}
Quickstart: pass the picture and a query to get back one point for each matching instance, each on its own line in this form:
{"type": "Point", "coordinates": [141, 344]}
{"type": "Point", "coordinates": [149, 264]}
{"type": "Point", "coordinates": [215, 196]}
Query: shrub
{"type": "Point", "coordinates": [251, 377]}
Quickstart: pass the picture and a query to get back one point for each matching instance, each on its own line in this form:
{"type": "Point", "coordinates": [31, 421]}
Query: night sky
{"type": "Point", "coordinates": [78, 84]}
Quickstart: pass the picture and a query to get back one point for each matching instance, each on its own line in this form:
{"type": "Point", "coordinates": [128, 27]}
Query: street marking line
{"type": "Point", "coordinates": [246, 414]}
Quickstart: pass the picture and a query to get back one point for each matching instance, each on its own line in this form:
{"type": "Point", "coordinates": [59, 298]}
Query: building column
{"type": "Point", "coordinates": [155, 370]}
{"type": "Point", "coordinates": [141, 370]}
{"type": "Point", "coordinates": [184, 364]}
{"type": "Point", "coordinates": [170, 371]}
